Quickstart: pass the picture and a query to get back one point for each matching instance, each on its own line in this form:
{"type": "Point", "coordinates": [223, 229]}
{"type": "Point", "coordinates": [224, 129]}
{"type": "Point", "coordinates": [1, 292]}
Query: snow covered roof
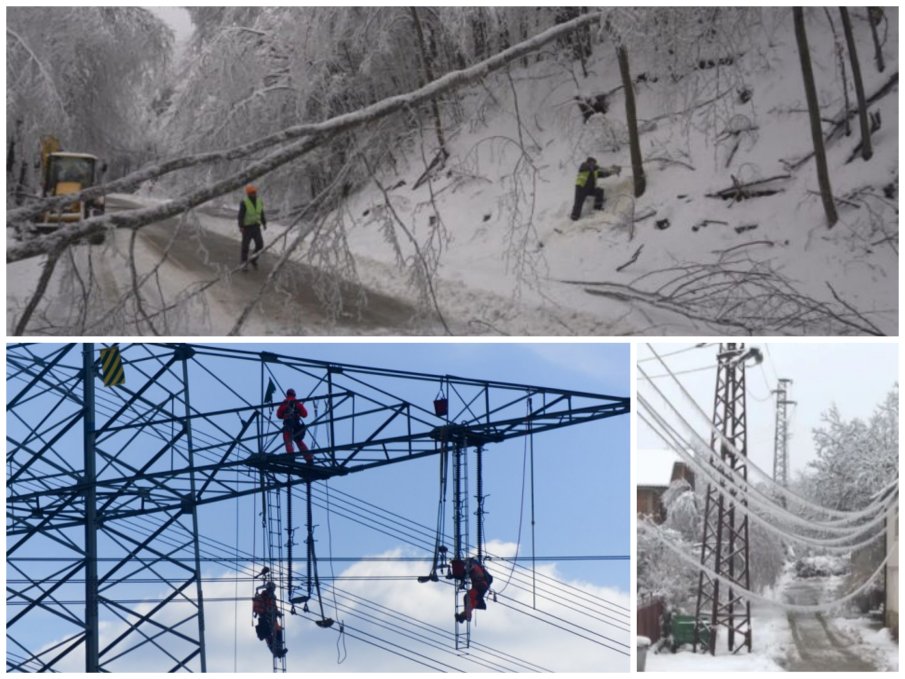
{"type": "Point", "coordinates": [653, 466]}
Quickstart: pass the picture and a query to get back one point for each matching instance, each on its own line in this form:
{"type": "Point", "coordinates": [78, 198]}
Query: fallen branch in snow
{"type": "Point", "coordinates": [668, 161]}
{"type": "Point", "coordinates": [739, 191]}
{"type": "Point", "coordinates": [704, 222]}
{"type": "Point", "coordinates": [743, 245]}
{"type": "Point", "coordinates": [633, 259]}
{"type": "Point", "coordinates": [689, 109]}
{"type": "Point", "coordinates": [740, 293]}
{"type": "Point", "coordinates": [848, 306]}
{"type": "Point", "coordinates": [439, 160]}
{"type": "Point", "coordinates": [836, 199]}
{"type": "Point", "coordinates": [646, 215]}
{"type": "Point", "coordinates": [426, 270]}
{"type": "Point", "coordinates": [46, 273]}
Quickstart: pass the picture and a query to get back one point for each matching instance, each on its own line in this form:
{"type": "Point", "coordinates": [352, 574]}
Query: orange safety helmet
{"type": "Point", "coordinates": [250, 189]}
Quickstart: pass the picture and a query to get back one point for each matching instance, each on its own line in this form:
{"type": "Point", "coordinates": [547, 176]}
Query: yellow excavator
{"type": "Point", "coordinates": [64, 173]}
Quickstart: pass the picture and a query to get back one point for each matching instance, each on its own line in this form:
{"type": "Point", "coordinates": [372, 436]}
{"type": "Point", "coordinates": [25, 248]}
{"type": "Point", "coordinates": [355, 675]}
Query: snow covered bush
{"type": "Point", "coordinates": [662, 573]}
{"type": "Point", "coordinates": [683, 510]}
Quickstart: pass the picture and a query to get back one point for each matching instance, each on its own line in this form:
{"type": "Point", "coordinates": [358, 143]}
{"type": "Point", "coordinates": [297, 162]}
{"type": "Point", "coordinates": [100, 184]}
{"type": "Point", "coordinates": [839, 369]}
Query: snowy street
{"type": "Point", "coordinates": [796, 642]}
{"type": "Point", "coordinates": [197, 289]}
{"type": "Point", "coordinates": [819, 644]}
{"type": "Point", "coordinates": [200, 262]}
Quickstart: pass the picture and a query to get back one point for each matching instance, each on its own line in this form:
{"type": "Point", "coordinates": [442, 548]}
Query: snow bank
{"type": "Point", "coordinates": [873, 644]}
{"type": "Point", "coordinates": [771, 640]}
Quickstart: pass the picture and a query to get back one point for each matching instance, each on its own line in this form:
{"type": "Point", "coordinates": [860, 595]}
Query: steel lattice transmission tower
{"type": "Point", "coordinates": [724, 544]}
{"type": "Point", "coordinates": [109, 489]}
{"type": "Point", "coordinates": [781, 436]}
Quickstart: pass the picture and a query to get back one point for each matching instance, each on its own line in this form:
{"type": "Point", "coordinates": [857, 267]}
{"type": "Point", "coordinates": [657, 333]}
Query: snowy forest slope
{"type": "Point", "coordinates": [458, 205]}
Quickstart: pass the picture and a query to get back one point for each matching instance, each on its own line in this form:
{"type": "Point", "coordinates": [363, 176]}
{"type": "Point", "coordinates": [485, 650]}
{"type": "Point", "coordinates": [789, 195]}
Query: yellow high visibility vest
{"type": "Point", "coordinates": [253, 211]}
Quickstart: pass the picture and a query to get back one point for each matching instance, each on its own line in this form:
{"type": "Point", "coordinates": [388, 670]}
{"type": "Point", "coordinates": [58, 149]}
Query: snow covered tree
{"type": "Point", "coordinates": [85, 75]}
{"type": "Point", "coordinates": [855, 459]}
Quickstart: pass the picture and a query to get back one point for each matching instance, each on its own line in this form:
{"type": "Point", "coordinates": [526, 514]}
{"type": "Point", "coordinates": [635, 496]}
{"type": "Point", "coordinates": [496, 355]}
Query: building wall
{"type": "Point", "coordinates": [649, 502]}
{"type": "Point", "coordinates": [892, 572]}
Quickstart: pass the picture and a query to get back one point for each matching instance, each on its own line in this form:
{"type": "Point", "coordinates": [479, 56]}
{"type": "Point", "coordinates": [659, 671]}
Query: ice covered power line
{"type": "Point", "coordinates": [702, 345]}
{"type": "Point", "coordinates": [763, 475]}
{"type": "Point", "coordinates": [873, 513]}
{"type": "Point", "coordinates": [784, 492]}
{"type": "Point", "coordinates": [770, 524]}
{"type": "Point", "coordinates": [757, 496]}
{"type": "Point", "coordinates": [754, 596]}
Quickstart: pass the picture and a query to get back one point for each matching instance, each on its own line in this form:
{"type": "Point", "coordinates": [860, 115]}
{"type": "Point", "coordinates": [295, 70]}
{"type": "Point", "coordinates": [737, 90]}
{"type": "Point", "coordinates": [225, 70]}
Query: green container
{"type": "Point", "coordinates": [682, 631]}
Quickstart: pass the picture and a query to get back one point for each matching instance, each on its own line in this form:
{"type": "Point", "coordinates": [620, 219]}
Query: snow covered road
{"type": "Point", "coordinates": [102, 300]}
{"type": "Point", "coordinates": [819, 645]}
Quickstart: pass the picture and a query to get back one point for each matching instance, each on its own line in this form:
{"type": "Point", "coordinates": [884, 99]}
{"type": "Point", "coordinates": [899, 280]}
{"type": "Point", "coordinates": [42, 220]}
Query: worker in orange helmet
{"type": "Point", "coordinates": [251, 221]}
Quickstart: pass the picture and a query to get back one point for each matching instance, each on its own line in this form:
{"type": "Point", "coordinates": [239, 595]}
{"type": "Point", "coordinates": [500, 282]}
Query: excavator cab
{"type": "Point", "coordinates": [64, 174]}
{"type": "Point", "coordinates": [69, 173]}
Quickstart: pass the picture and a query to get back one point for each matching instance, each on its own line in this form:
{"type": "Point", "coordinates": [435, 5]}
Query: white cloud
{"type": "Point", "coordinates": [425, 610]}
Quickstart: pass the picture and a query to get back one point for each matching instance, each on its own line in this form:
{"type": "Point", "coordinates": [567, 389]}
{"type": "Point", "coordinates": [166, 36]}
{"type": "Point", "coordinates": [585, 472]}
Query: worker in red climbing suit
{"type": "Point", "coordinates": [264, 608]}
{"type": "Point", "coordinates": [291, 411]}
{"type": "Point", "coordinates": [268, 628]}
{"type": "Point", "coordinates": [481, 580]}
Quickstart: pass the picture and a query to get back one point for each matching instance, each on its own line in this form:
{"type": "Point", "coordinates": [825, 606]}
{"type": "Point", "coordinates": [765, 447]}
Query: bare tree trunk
{"type": "Point", "coordinates": [823, 177]}
{"type": "Point", "coordinates": [841, 58]}
{"type": "Point", "coordinates": [631, 119]}
{"type": "Point", "coordinates": [874, 14]}
{"type": "Point", "coordinates": [866, 148]}
{"type": "Point", "coordinates": [429, 78]}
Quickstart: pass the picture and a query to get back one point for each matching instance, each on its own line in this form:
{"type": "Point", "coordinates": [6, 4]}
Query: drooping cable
{"type": "Point", "coordinates": [790, 495]}
{"type": "Point", "coordinates": [826, 545]}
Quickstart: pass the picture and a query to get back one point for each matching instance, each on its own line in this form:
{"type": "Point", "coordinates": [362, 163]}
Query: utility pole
{"type": "Point", "coordinates": [781, 437]}
{"type": "Point", "coordinates": [724, 545]}
{"type": "Point", "coordinates": [92, 646]}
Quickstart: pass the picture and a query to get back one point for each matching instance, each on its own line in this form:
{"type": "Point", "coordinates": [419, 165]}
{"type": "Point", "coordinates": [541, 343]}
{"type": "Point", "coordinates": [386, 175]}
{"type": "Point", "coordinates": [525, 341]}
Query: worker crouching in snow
{"type": "Point", "coordinates": [291, 411]}
{"type": "Point", "coordinates": [481, 580]}
{"type": "Point", "coordinates": [586, 185]}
